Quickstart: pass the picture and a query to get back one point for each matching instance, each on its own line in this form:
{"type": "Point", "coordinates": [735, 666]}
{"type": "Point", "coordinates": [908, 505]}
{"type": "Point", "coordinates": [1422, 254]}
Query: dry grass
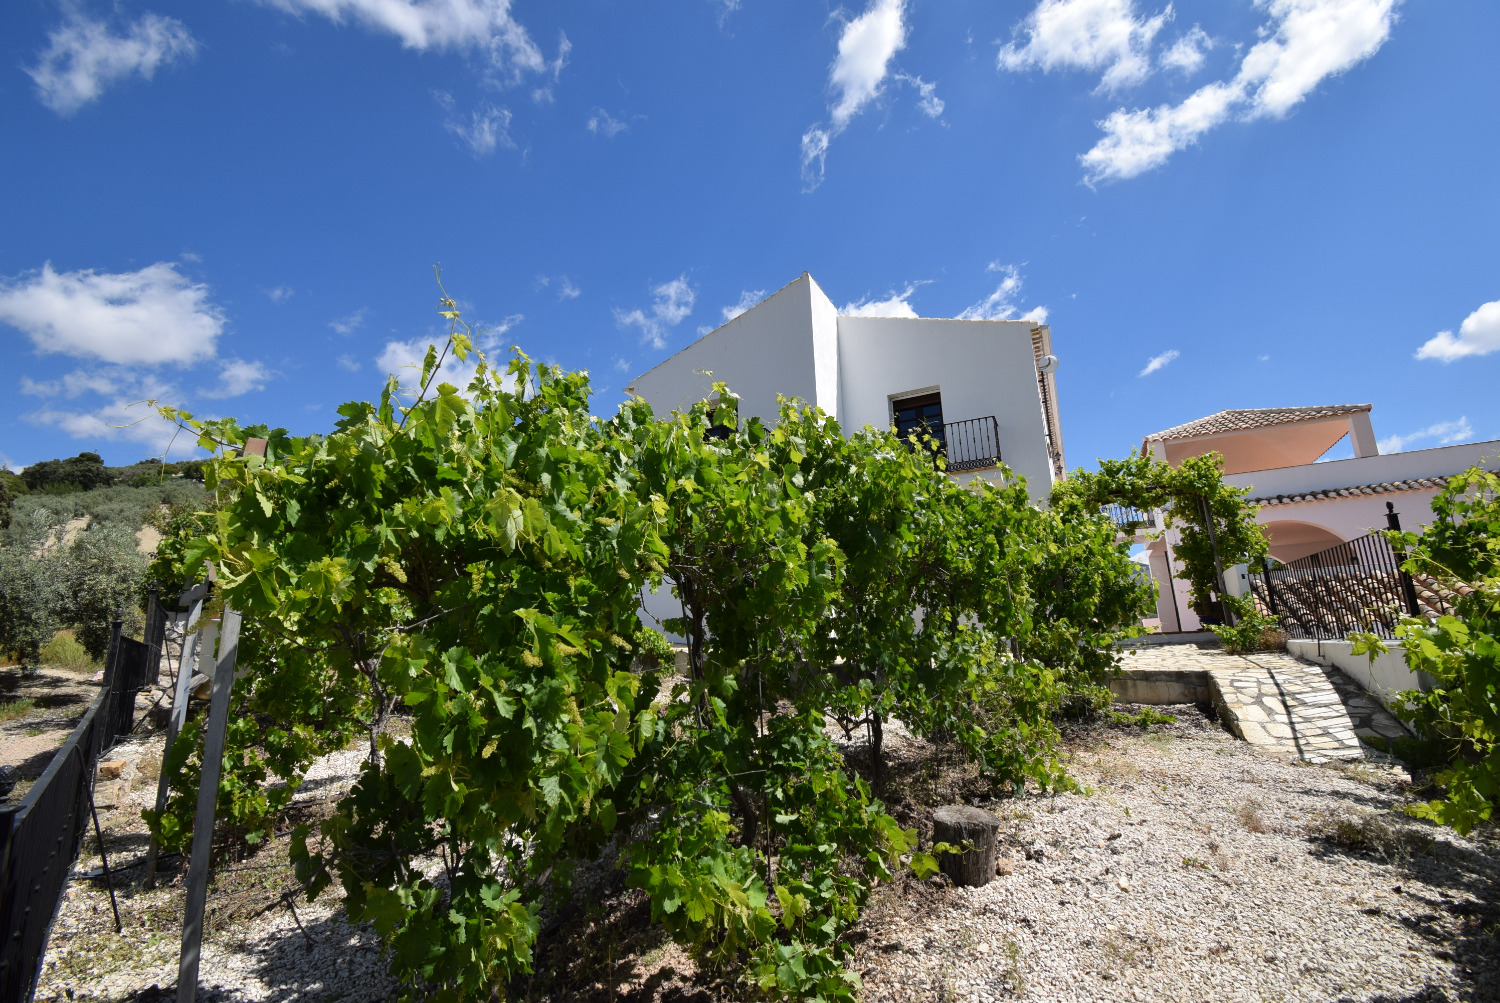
{"type": "Point", "coordinates": [1251, 818]}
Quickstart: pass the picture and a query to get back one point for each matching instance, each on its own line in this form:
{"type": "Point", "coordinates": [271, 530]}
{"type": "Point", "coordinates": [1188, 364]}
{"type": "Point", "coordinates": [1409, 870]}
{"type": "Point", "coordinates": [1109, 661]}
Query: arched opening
{"type": "Point", "coordinates": [1292, 540]}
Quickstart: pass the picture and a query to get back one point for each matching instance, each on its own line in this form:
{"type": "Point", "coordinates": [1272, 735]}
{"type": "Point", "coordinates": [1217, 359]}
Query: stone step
{"type": "Point", "coordinates": [1270, 700]}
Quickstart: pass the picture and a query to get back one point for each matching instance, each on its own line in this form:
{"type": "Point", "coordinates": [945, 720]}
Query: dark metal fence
{"type": "Point", "coordinates": [40, 836]}
{"type": "Point", "coordinates": [1354, 586]}
{"type": "Point", "coordinates": [970, 444]}
{"type": "Point", "coordinates": [1128, 518]}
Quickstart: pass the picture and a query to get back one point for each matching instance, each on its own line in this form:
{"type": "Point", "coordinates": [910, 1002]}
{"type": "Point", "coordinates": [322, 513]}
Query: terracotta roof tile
{"type": "Point", "coordinates": [1388, 487]}
{"type": "Point", "coordinates": [1252, 418]}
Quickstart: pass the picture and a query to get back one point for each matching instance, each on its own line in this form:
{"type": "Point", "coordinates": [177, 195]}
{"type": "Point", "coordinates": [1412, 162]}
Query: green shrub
{"type": "Point", "coordinates": [1254, 631]}
{"type": "Point", "coordinates": [64, 652]}
{"type": "Point", "coordinates": [1461, 550]}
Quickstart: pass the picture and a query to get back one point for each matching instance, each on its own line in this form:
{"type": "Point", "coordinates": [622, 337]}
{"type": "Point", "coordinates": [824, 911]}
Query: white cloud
{"type": "Point", "coordinates": [894, 305]}
{"type": "Point", "coordinates": [1445, 432]}
{"type": "Point", "coordinates": [1105, 35]}
{"type": "Point", "coordinates": [602, 122]}
{"type": "Point", "coordinates": [280, 294]}
{"type": "Point", "coordinates": [148, 317]}
{"type": "Point", "coordinates": [120, 422]}
{"type": "Point", "coordinates": [1136, 141]}
{"type": "Point", "coordinates": [479, 25]}
{"type": "Point", "coordinates": [674, 301]}
{"type": "Point", "coordinates": [927, 100]}
{"type": "Point", "coordinates": [403, 359]}
{"type": "Point", "coordinates": [1478, 335]}
{"type": "Point", "coordinates": [83, 57]}
{"type": "Point", "coordinates": [1001, 304]}
{"type": "Point", "coordinates": [866, 47]}
{"type": "Point", "coordinates": [814, 157]}
{"type": "Point", "coordinates": [566, 290]}
{"type": "Point", "coordinates": [1159, 361]}
{"type": "Point", "coordinates": [349, 363]}
{"type": "Point", "coordinates": [1188, 53]}
{"type": "Point", "coordinates": [487, 336]}
{"type": "Point", "coordinates": [237, 376]}
{"type": "Point", "coordinates": [865, 50]}
{"type": "Point", "coordinates": [1305, 42]}
{"type": "Point", "coordinates": [350, 323]}
{"type": "Point", "coordinates": [486, 128]}
{"type": "Point", "coordinates": [747, 299]}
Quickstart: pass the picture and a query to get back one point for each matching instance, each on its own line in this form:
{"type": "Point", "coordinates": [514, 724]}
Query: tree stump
{"type": "Point", "coordinates": [958, 824]}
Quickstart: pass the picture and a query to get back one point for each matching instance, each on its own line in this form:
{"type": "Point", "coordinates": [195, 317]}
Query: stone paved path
{"type": "Point", "coordinates": [1275, 700]}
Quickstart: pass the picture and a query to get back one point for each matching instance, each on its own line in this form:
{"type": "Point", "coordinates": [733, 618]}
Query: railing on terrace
{"type": "Point", "coordinates": [1354, 586]}
{"type": "Point", "coordinates": [1126, 517]}
{"type": "Point", "coordinates": [971, 444]}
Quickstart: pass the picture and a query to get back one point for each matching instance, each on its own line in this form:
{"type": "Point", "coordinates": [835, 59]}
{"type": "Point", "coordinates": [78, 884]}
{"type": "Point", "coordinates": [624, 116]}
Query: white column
{"type": "Point", "coordinates": [1362, 435]}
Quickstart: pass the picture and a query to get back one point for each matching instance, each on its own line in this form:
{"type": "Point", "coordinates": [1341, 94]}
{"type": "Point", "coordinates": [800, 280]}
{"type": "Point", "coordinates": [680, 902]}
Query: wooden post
{"type": "Point", "coordinates": [958, 824]}
{"type": "Point", "coordinates": [178, 714]}
{"type": "Point", "coordinates": [208, 796]}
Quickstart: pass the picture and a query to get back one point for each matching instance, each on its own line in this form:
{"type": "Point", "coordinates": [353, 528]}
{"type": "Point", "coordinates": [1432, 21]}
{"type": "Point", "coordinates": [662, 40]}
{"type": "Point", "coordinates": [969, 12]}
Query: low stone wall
{"type": "Point", "coordinates": [1162, 686]}
{"type": "Point", "coordinates": [1383, 678]}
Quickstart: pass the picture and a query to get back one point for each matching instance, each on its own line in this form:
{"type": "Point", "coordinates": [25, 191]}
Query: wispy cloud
{"type": "Point", "coordinates": [566, 290]}
{"type": "Point", "coordinates": [602, 123]}
{"type": "Point", "coordinates": [1304, 43]}
{"type": "Point", "coordinates": [348, 362]}
{"type": "Point", "coordinates": [927, 100]}
{"type": "Point", "coordinates": [1094, 35]}
{"type": "Point", "coordinates": [1159, 361]}
{"type": "Point", "coordinates": [896, 304]}
{"type": "Point", "coordinates": [866, 46]}
{"type": "Point", "coordinates": [1001, 304]}
{"type": "Point", "coordinates": [148, 317]}
{"type": "Point", "coordinates": [1446, 433]}
{"type": "Point", "coordinates": [747, 299]}
{"type": "Point", "coordinates": [84, 56]}
{"type": "Point", "coordinates": [350, 323]}
{"type": "Point", "coordinates": [485, 27]}
{"type": "Point", "coordinates": [236, 377]}
{"type": "Point", "coordinates": [1478, 335]}
{"type": "Point", "coordinates": [1188, 53]}
{"type": "Point", "coordinates": [673, 302]}
{"type": "Point", "coordinates": [486, 128]}
{"type": "Point", "coordinates": [280, 294]}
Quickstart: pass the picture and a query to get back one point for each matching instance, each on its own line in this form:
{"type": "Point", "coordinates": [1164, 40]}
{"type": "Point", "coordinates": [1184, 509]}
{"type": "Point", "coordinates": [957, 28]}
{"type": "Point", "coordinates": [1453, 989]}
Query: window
{"type": "Point", "coordinates": [922, 415]}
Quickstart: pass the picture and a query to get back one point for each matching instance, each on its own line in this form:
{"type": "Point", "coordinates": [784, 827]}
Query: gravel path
{"type": "Point", "coordinates": [1197, 869]}
{"type": "Point", "coordinates": [1200, 869]}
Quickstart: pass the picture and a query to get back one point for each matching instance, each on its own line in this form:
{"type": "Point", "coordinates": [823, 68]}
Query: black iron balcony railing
{"type": "Point", "coordinates": [1128, 518]}
{"type": "Point", "coordinates": [971, 444]}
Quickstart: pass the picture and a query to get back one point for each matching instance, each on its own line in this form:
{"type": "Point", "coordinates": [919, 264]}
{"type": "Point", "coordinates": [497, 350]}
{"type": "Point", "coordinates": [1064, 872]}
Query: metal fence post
{"type": "Point", "coordinates": [1408, 587]}
{"type": "Point", "coordinates": [208, 796]}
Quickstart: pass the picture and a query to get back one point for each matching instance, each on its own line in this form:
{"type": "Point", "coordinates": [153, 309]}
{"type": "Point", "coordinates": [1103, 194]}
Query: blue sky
{"type": "Point", "coordinates": [235, 205]}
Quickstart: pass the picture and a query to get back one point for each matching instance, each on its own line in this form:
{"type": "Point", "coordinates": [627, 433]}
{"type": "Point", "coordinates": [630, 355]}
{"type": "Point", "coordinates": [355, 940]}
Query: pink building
{"type": "Point", "coordinates": [1306, 506]}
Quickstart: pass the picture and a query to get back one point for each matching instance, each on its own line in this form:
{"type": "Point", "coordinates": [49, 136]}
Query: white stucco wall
{"type": "Point", "coordinates": [1383, 678]}
{"type": "Point", "coordinates": [980, 367]}
{"type": "Point", "coordinates": [1443, 461]}
{"type": "Point", "coordinates": [770, 349]}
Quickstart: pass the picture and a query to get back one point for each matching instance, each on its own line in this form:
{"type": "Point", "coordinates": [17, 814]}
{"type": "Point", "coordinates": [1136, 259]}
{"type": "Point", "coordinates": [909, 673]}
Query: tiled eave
{"type": "Point", "coordinates": [1388, 487]}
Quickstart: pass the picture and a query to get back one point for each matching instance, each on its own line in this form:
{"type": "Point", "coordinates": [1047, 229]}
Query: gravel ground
{"type": "Point", "coordinates": [1199, 869]}
{"type": "Point", "coordinates": [1195, 870]}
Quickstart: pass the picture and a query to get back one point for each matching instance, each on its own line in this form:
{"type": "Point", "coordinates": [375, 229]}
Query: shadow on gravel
{"type": "Point", "coordinates": [1462, 921]}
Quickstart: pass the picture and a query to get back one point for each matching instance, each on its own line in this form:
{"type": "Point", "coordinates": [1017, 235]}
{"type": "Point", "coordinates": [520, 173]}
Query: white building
{"type": "Point", "coordinates": [1306, 506]}
{"type": "Point", "coordinates": [986, 387]}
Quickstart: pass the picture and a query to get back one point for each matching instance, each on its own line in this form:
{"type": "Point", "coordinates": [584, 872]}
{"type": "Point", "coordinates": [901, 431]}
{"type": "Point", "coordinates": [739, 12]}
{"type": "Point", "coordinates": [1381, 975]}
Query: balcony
{"type": "Point", "coordinates": [1130, 519]}
{"type": "Point", "coordinates": [971, 444]}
